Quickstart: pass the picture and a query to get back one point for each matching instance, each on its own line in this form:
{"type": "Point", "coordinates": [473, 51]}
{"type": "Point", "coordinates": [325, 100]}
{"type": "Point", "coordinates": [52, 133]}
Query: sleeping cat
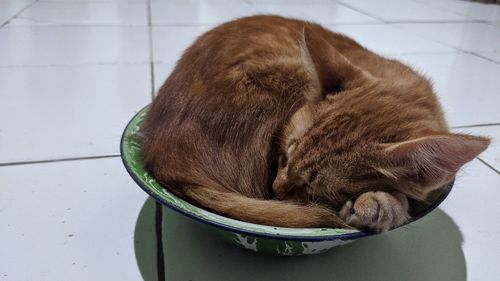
{"type": "Point", "coordinates": [281, 122]}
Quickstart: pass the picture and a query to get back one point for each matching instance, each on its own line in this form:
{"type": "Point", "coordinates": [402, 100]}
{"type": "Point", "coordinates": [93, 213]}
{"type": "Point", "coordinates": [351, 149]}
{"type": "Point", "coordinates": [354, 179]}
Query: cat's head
{"type": "Point", "coordinates": [364, 137]}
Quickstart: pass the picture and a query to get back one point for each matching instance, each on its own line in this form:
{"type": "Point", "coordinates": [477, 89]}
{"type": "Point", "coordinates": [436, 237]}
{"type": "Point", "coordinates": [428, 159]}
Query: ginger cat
{"type": "Point", "coordinates": [282, 122]}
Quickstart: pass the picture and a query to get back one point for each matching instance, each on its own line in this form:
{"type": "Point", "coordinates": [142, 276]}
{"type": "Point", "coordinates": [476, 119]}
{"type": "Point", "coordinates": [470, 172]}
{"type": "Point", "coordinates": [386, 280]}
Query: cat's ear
{"type": "Point", "coordinates": [328, 69]}
{"type": "Point", "coordinates": [299, 123]}
{"type": "Point", "coordinates": [431, 161]}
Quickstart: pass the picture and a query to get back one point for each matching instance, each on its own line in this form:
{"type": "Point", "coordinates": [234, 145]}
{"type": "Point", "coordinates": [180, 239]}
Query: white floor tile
{"type": "Point", "coordinates": [402, 10]}
{"type": "Point", "coordinates": [73, 72]}
{"type": "Point", "coordinates": [68, 221]}
{"type": "Point", "coordinates": [162, 71]}
{"type": "Point", "coordinates": [193, 12]}
{"type": "Point", "coordinates": [495, 23]}
{"type": "Point", "coordinates": [9, 8]}
{"type": "Point", "coordinates": [73, 45]}
{"type": "Point", "coordinates": [474, 206]}
{"type": "Point", "coordinates": [467, 86]}
{"type": "Point", "coordinates": [169, 42]}
{"type": "Point", "coordinates": [117, 1]}
{"type": "Point", "coordinates": [70, 111]}
{"type": "Point", "coordinates": [83, 13]}
{"type": "Point", "coordinates": [287, 2]}
{"type": "Point", "coordinates": [381, 38]}
{"type": "Point", "coordinates": [466, 36]}
{"type": "Point", "coordinates": [468, 9]}
{"type": "Point", "coordinates": [492, 154]}
{"type": "Point", "coordinates": [321, 13]}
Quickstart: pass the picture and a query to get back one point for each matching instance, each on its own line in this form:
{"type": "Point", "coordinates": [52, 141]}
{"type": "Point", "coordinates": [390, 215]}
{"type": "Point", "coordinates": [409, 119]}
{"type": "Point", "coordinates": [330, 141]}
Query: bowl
{"type": "Point", "coordinates": [256, 237]}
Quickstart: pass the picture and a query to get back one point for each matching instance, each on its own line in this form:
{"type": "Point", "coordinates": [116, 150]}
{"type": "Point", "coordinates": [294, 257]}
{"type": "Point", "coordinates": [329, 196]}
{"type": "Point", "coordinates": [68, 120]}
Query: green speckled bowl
{"type": "Point", "coordinates": [260, 238]}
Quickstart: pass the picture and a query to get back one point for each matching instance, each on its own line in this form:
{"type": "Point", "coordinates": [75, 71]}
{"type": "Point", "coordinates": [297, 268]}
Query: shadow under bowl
{"type": "Point", "coordinates": [256, 237]}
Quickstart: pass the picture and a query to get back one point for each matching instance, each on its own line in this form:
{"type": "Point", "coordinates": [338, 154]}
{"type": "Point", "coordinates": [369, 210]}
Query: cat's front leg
{"type": "Point", "coordinates": [378, 211]}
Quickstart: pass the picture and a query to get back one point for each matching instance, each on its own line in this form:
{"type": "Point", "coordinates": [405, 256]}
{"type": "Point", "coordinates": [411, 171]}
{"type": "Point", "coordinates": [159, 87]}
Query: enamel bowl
{"type": "Point", "coordinates": [256, 237]}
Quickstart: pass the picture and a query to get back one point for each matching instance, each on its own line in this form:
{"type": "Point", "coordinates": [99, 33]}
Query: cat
{"type": "Point", "coordinates": [282, 122]}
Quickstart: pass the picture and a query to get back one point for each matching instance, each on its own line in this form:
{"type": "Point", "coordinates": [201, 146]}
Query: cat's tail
{"type": "Point", "coordinates": [268, 212]}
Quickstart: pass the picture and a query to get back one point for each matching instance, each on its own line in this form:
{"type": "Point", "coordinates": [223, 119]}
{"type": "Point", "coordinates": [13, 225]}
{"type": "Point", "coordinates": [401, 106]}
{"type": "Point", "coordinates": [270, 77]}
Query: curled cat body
{"type": "Point", "coordinates": [282, 122]}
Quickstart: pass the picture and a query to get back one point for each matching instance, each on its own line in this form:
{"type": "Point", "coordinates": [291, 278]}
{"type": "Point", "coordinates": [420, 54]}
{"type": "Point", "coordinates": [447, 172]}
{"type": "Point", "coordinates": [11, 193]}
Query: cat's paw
{"type": "Point", "coordinates": [378, 211]}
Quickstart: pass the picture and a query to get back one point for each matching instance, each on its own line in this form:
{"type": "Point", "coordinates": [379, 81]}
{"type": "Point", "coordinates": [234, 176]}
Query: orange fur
{"type": "Point", "coordinates": [267, 107]}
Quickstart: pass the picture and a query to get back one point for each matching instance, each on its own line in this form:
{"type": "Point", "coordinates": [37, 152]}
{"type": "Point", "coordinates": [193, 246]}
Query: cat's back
{"type": "Point", "coordinates": [241, 52]}
{"type": "Point", "coordinates": [216, 116]}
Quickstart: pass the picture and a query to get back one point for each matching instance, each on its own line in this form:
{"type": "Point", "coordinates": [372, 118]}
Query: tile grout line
{"type": "Point", "coordinates": [160, 256]}
{"type": "Point", "coordinates": [360, 11]}
{"type": "Point", "coordinates": [378, 22]}
{"type": "Point", "coordinates": [251, 4]}
{"type": "Point", "coordinates": [18, 13]}
{"type": "Point", "coordinates": [150, 38]}
{"type": "Point", "coordinates": [488, 165]}
{"type": "Point", "coordinates": [442, 9]}
{"type": "Point", "coordinates": [92, 1]}
{"type": "Point", "coordinates": [75, 64]}
{"type": "Point", "coordinates": [464, 20]}
{"type": "Point", "coordinates": [62, 24]}
{"type": "Point", "coordinates": [490, 23]}
{"type": "Point", "coordinates": [475, 53]}
{"type": "Point", "coordinates": [475, 125]}
{"type": "Point", "coordinates": [58, 160]}
{"type": "Point", "coordinates": [396, 22]}
{"type": "Point", "coordinates": [434, 21]}
{"type": "Point", "coordinates": [457, 49]}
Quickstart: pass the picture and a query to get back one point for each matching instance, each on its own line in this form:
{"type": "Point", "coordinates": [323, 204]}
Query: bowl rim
{"type": "Point", "coordinates": [272, 232]}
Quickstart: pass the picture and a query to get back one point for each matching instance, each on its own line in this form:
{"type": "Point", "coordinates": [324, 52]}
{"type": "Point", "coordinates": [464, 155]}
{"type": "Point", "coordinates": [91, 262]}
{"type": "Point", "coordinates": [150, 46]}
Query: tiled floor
{"type": "Point", "coordinates": [73, 72]}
